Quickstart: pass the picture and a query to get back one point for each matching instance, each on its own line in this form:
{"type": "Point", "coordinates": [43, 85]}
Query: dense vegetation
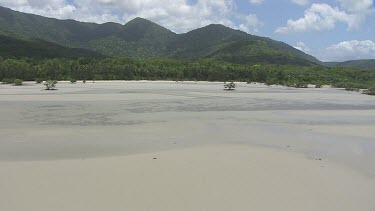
{"type": "Point", "coordinates": [144, 39]}
{"type": "Point", "coordinates": [11, 47]}
{"type": "Point", "coordinates": [364, 63]}
{"type": "Point", "coordinates": [170, 69]}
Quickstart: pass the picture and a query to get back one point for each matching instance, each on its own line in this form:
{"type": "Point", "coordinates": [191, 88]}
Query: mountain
{"type": "Point", "coordinates": [226, 44]}
{"type": "Point", "coordinates": [363, 64]}
{"type": "Point", "coordinates": [15, 46]}
{"type": "Point", "coordinates": [141, 38]}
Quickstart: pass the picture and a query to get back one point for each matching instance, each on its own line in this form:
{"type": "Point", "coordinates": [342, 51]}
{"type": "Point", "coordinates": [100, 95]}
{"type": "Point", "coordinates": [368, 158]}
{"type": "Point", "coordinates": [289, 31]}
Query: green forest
{"type": "Point", "coordinates": [171, 69]}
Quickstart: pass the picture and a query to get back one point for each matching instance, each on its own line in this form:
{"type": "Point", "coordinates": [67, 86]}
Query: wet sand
{"type": "Point", "coordinates": [92, 147]}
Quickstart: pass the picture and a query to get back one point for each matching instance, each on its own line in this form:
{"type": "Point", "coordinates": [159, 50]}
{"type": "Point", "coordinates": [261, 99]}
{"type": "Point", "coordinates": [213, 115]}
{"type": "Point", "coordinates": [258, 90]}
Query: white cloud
{"type": "Point", "coordinates": [302, 47]}
{"type": "Point", "coordinates": [357, 5]}
{"type": "Point", "coordinates": [321, 17]}
{"type": "Point", "coordinates": [177, 15]}
{"type": "Point", "coordinates": [301, 2]}
{"type": "Point", "coordinates": [349, 50]}
{"type": "Point", "coordinates": [251, 23]}
{"type": "Point", "coordinates": [256, 1]}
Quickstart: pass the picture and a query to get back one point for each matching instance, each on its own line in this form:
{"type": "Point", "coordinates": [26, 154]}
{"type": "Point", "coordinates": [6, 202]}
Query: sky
{"type": "Point", "coordinates": [331, 30]}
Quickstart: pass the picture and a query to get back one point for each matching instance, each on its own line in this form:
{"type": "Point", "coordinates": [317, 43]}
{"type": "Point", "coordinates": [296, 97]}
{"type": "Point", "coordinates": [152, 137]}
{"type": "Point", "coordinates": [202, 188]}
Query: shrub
{"type": "Point", "coordinates": [352, 89]}
{"type": "Point", "coordinates": [370, 91]}
{"type": "Point", "coordinates": [50, 84]}
{"type": "Point", "coordinates": [38, 80]}
{"type": "Point", "coordinates": [301, 85]}
{"type": "Point", "coordinates": [230, 86]}
{"type": "Point", "coordinates": [73, 81]}
{"type": "Point", "coordinates": [319, 86]}
{"type": "Point", "coordinates": [270, 82]}
{"type": "Point", "coordinates": [84, 81]}
{"type": "Point", "coordinates": [18, 82]}
{"type": "Point", "coordinates": [350, 86]}
{"type": "Point", "coordinates": [7, 81]}
{"type": "Point", "coordinates": [289, 85]}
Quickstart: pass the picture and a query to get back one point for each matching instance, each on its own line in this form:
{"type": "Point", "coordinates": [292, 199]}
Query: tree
{"type": "Point", "coordinates": [50, 84]}
{"type": "Point", "coordinates": [38, 80]}
{"type": "Point", "coordinates": [7, 81]}
{"type": "Point", "coordinates": [230, 86]}
{"type": "Point", "coordinates": [370, 91]}
{"type": "Point", "coordinates": [18, 82]}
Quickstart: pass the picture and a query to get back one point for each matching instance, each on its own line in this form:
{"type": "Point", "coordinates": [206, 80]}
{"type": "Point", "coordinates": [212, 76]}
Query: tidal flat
{"type": "Point", "coordinates": [113, 145]}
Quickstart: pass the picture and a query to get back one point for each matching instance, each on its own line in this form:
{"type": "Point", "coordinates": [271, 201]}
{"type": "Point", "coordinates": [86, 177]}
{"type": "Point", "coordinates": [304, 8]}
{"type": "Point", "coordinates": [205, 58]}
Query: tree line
{"type": "Point", "coordinates": [169, 69]}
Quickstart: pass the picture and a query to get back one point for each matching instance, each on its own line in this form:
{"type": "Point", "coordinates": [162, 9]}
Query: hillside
{"type": "Point", "coordinates": [226, 44]}
{"type": "Point", "coordinates": [364, 64]}
{"type": "Point", "coordinates": [141, 38]}
{"type": "Point", "coordinates": [15, 46]}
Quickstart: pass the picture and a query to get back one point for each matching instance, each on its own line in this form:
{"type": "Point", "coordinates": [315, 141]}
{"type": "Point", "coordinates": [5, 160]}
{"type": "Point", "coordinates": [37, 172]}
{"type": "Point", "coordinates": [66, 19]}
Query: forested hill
{"type": "Point", "coordinates": [364, 64]}
{"type": "Point", "coordinates": [14, 46]}
{"type": "Point", "coordinates": [141, 38]}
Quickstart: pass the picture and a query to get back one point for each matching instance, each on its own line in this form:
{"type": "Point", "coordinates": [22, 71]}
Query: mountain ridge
{"type": "Point", "coordinates": [141, 38]}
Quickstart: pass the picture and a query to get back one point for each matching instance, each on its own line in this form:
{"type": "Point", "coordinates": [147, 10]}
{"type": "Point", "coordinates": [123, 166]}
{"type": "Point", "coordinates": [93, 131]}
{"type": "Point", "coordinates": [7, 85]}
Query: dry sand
{"type": "Point", "coordinates": [205, 178]}
{"type": "Point", "coordinates": [88, 147]}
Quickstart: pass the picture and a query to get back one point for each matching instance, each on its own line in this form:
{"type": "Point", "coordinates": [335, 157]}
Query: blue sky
{"type": "Point", "coordinates": [276, 13]}
{"type": "Point", "coordinates": [331, 30]}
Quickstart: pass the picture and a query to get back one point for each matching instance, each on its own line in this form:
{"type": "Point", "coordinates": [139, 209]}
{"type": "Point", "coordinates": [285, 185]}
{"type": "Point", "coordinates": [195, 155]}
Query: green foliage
{"type": "Point", "coordinates": [370, 91]}
{"type": "Point", "coordinates": [50, 84]}
{"type": "Point", "coordinates": [230, 86]}
{"type": "Point", "coordinates": [73, 81]}
{"type": "Point", "coordinates": [18, 82]}
{"type": "Point", "coordinates": [352, 89]}
{"type": "Point", "coordinates": [17, 48]}
{"type": "Point", "coordinates": [38, 80]}
{"type": "Point", "coordinates": [351, 86]}
{"type": "Point", "coordinates": [7, 81]}
{"type": "Point", "coordinates": [364, 63]}
{"type": "Point", "coordinates": [170, 69]}
{"type": "Point", "coordinates": [301, 85]}
{"type": "Point", "coordinates": [319, 86]}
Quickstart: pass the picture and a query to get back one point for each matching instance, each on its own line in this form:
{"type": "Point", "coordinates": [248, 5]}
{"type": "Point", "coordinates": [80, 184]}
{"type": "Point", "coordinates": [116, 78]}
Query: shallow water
{"type": "Point", "coordinates": [81, 121]}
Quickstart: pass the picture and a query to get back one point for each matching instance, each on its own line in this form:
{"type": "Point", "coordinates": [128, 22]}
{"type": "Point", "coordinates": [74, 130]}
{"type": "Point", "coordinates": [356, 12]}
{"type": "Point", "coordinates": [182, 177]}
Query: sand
{"type": "Point", "coordinates": [206, 178]}
{"type": "Point", "coordinates": [92, 147]}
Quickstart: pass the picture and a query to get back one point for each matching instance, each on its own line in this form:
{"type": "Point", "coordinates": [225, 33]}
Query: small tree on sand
{"type": "Point", "coordinates": [230, 86]}
{"type": "Point", "coordinates": [38, 80]}
{"type": "Point", "coordinates": [50, 84]}
{"type": "Point", "coordinates": [370, 91]}
{"type": "Point", "coordinates": [18, 82]}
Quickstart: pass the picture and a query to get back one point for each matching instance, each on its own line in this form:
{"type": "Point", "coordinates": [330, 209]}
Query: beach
{"type": "Point", "coordinates": [158, 145]}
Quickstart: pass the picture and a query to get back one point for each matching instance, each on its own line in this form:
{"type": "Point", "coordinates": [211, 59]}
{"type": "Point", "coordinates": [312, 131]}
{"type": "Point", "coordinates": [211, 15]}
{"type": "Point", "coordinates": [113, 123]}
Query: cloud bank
{"type": "Point", "coordinates": [349, 50]}
{"type": "Point", "coordinates": [320, 16]}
